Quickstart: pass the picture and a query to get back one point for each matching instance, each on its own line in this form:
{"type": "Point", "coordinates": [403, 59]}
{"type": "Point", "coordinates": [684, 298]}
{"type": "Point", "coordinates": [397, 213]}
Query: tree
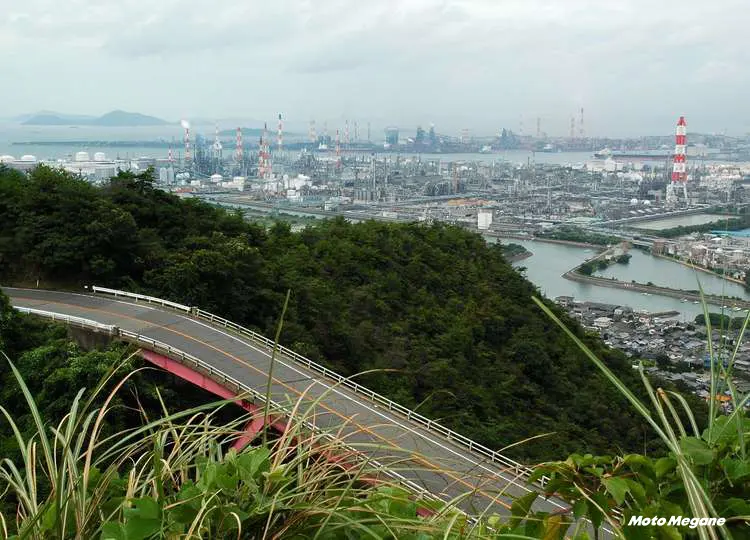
{"type": "Point", "coordinates": [586, 269]}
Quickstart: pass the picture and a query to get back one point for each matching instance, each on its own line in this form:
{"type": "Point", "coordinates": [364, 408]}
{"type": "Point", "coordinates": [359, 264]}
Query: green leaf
{"type": "Point", "coordinates": [598, 500]}
{"type": "Point", "coordinates": [49, 517]}
{"type": "Point", "coordinates": [277, 475]}
{"type": "Point", "coordinates": [697, 449]}
{"type": "Point", "coordinates": [253, 463]}
{"type": "Point", "coordinates": [139, 529]}
{"type": "Point", "coordinates": [113, 531]}
{"type": "Point", "coordinates": [144, 508]}
{"type": "Point", "coordinates": [637, 491]}
{"type": "Point", "coordinates": [522, 506]}
{"type": "Point", "coordinates": [226, 480]}
{"type": "Point", "coordinates": [735, 469]}
{"type": "Point", "coordinates": [617, 487]}
{"type": "Point", "coordinates": [640, 464]}
{"type": "Point", "coordinates": [555, 527]}
{"type": "Point", "coordinates": [664, 465]}
{"type": "Point", "coordinates": [735, 507]}
{"type": "Point", "coordinates": [143, 520]}
{"type": "Point", "coordinates": [669, 533]}
{"type": "Point", "coordinates": [579, 508]}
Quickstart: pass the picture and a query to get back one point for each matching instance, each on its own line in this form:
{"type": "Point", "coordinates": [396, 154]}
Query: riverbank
{"type": "Point", "coordinates": [699, 268]}
{"type": "Point", "coordinates": [546, 240]}
{"type": "Point", "coordinates": [520, 257]}
{"type": "Point", "coordinates": [573, 275]}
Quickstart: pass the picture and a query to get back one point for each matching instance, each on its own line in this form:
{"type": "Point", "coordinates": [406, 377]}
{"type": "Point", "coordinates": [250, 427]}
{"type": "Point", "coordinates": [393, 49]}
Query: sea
{"type": "Point", "coordinates": [11, 134]}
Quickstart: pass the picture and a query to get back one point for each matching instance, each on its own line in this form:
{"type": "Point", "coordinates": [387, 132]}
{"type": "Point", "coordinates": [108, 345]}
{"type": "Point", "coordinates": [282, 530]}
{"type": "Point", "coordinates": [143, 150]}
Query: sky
{"type": "Point", "coordinates": [633, 65]}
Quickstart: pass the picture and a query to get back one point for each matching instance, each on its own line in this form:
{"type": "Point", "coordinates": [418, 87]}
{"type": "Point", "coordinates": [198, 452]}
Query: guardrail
{"type": "Point", "coordinates": [142, 297]}
{"type": "Point", "coordinates": [241, 389]}
{"type": "Point", "coordinates": [70, 319]}
{"type": "Point", "coordinates": [391, 405]}
{"type": "Point", "coordinates": [520, 470]}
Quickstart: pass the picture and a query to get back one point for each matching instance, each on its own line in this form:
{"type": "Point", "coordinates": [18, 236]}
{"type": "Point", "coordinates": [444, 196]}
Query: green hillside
{"type": "Point", "coordinates": [434, 303]}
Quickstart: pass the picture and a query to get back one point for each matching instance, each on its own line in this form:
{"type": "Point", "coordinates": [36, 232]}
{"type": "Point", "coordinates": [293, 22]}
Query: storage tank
{"type": "Point", "coordinates": [6, 159]}
{"type": "Point", "coordinates": [100, 156]}
{"type": "Point", "coordinates": [28, 158]}
{"type": "Point", "coordinates": [216, 178]}
{"type": "Point", "coordinates": [82, 156]}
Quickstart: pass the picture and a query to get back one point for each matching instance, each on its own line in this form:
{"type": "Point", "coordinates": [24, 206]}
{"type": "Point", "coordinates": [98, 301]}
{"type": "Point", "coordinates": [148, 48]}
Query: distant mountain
{"type": "Point", "coordinates": [111, 119]}
{"type": "Point", "coordinates": [127, 119]}
{"type": "Point", "coordinates": [246, 132]}
{"type": "Point", "coordinates": [47, 120]}
{"type": "Point", "coordinates": [55, 118]}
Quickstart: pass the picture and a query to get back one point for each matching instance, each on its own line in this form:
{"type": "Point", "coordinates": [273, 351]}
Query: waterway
{"type": "Point", "coordinates": [550, 261]}
{"type": "Point", "coordinates": [682, 221]}
{"type": "Point", "coordinates": [665, 273]}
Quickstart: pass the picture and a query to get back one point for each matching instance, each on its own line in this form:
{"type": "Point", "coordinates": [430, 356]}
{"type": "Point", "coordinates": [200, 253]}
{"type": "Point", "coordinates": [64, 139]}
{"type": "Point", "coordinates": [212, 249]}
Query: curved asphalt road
{"type": "Point", "coordinates": [443, 468]}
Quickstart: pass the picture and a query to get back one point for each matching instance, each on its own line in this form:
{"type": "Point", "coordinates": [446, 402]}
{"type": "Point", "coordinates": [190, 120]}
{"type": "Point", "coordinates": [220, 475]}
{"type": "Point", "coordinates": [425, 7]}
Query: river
{"type": "Point", "coordinates": [682, 221]}
{"type": "Point", "coordinates": [665, 273]}
{"type": "Point", "coordinates": [550, 261]}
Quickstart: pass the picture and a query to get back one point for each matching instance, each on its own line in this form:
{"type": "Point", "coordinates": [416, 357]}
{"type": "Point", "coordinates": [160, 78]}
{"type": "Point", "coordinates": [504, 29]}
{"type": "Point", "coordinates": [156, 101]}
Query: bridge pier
{"type": "Point", "coordinates": [89, 339]}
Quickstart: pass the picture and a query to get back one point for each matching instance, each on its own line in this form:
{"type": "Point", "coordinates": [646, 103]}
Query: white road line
{"type": "Point", "coordinates": [320, 381]}
{"type": "Point", "coordinates": [377, 412]}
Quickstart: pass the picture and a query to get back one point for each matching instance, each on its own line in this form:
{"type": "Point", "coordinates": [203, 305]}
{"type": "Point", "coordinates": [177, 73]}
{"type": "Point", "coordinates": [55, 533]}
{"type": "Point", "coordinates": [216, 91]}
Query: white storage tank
{"type": "Point", "coordinates": [82, 156]}
{"type": "Point", "coordinates": [100, 156]}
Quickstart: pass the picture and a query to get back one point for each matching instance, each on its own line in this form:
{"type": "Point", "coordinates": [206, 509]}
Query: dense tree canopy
{"type": "Point", "coordinates": [432, 302]}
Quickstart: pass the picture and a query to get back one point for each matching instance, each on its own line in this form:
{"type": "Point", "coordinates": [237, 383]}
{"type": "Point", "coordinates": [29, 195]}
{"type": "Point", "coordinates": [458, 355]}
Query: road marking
{"type": "Point", "coordinates": [391, 419]}
{"type": "Point", "coordinates": [347, 420]}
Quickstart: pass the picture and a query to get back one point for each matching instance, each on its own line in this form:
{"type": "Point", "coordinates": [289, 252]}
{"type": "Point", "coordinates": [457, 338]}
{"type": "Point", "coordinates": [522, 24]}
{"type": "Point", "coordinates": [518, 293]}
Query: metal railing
{"type": "Point", "coordinates": [70, 320]}
{"type": "Point", "coordinates": [518, 469]}
{"type": "Point", "coordinates": [143, 298]}
{"type": "Point", "coordinates": [242, 390]}
{"type": "Point", "coordinates": [413, 416]}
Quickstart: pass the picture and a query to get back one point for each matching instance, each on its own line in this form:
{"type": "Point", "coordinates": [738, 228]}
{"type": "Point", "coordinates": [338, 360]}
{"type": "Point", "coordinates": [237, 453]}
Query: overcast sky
{"type": "Point", "coordinates": [634, 65]}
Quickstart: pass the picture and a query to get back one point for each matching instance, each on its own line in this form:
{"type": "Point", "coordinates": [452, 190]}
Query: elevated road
{"type": "Point", "coordinates": [426, 454]}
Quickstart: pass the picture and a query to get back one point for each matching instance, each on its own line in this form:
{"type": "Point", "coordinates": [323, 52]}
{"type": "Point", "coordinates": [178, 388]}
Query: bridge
{"type": "Point", "coordinates": [428, 459]}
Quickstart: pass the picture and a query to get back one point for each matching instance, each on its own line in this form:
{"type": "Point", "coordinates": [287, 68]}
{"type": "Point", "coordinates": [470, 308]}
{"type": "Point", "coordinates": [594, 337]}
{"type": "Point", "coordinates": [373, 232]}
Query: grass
{"type": "Point", "coordinates": [720, 450]}
{"type": "Point", "coordinates": [176, 476]}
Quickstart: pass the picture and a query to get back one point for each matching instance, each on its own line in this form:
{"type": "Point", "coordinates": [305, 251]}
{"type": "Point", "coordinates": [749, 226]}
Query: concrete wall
{"type": "Point", "coordinates": [89, 339]}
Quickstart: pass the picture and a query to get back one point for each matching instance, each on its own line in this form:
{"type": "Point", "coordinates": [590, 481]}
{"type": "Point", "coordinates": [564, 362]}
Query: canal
{"type": "Point", "coordinates": [550, 261]}
{"type": "Point", "coordinates": [682, 221]}
{"type": "Point", "coordinates": [644, 267]}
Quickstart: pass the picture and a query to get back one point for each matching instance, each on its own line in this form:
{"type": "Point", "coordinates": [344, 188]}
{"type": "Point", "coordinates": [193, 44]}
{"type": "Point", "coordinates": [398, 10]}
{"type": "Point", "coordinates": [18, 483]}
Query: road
{"type": "Point", "coordinates": [439, 465]}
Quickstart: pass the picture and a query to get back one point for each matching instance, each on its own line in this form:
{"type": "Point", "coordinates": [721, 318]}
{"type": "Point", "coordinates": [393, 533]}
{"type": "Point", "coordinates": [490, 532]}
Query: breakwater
{"type": "Point", "coordinates": [573, 275]}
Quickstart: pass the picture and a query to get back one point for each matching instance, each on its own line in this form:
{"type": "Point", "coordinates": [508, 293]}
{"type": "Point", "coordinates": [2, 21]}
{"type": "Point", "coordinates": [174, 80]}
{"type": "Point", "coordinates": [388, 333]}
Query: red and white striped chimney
{"type": "Point", "coordinates": [679, 169]}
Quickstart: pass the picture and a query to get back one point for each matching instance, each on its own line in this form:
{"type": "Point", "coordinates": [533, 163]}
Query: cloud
{"type": "Point", "coordinates": [482, 62]}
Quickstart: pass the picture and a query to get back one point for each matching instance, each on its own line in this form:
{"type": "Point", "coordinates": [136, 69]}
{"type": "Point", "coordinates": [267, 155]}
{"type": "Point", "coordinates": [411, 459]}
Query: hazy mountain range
{"type": "Point", "coordinates": [111, 119]}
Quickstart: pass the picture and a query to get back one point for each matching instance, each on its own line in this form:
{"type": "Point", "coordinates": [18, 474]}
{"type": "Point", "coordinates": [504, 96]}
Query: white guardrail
{"type": "Point", "coordinates": [241, 389]}
{"type": "Point", "coordinates": [520, 470]}
{"type": "Point", "coordinates": [69, 319]}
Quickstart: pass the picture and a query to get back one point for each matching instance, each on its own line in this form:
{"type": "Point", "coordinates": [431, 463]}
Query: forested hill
{"type": "Point", "coordinates": [434, 302]}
